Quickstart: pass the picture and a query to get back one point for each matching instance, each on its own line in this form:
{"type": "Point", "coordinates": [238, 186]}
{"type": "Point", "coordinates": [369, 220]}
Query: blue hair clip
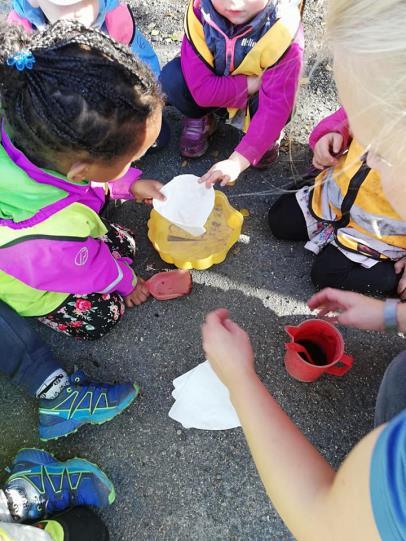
{"type": "Point", "coordinates": [21, 60]}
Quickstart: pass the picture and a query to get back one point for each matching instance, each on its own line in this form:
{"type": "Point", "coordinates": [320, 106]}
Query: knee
{"type": "Point", "coordinates": [277, 221]}
{"type": "Point", "coordinates": [111, 309]}
{"type": "Point", "coordinates": [172, 80]}
{"type": "Point", "coordinates": [395, 374]}
{"type": "Point", "coordinates": [322, 275]}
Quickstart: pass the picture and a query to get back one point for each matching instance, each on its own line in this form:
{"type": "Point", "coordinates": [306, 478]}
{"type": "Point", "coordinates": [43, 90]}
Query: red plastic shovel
{"type": "Point", "coordinates": [166, 286]}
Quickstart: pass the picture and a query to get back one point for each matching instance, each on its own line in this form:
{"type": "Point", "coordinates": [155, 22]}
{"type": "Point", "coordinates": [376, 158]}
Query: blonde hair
{"type": "Point", "coordinates": [368, 40]}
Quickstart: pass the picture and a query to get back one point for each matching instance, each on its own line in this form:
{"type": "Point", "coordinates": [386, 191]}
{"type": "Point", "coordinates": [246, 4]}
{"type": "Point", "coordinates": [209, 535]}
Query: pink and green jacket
{"type": "Point", "coordinates": [51, 236]}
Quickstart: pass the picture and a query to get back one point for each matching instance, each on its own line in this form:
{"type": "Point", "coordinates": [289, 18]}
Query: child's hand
{"type": "Point", "coordinates": [253, 84]}
{"type": "Point", "coordinates": [138, 295]}
{"type": "Point", "coordinates": [227, 347]}
{"type": "Point", "coordinates": [400, 268]}
{"type": "Point", "coordinates": [226, 171]}
{"type": "Point", "coordinates": [147, 189]}
{"type": "Point", "coordinates": [325, 150]}
{"type": "Point", "coordinates": [351, 309]}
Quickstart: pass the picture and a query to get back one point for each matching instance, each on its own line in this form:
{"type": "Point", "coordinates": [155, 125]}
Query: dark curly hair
{"type": "Point", "coordinates": [85, 92]}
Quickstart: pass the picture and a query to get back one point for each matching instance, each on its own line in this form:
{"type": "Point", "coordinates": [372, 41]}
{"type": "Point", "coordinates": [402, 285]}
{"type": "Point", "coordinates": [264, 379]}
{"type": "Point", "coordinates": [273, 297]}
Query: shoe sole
{"type": "Point", "coordinates": [123, 407]}
{"type": "Point", "coordinates": [26, 454]}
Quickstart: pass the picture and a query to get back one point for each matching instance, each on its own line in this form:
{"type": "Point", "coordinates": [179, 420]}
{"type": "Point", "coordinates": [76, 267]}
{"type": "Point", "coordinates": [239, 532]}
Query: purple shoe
{"type": "Point", "coordinates": [268, 158]}
{"type": "Point", "coordinates": [194, 140]}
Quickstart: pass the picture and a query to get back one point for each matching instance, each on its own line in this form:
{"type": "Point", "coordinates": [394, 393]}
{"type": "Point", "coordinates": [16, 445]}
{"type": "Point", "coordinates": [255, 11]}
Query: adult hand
{"type": "Point", "coordinates": [400, 268]}
{"type": "Point", "coordinates": [227, 347]}
{"type": "Point", "coordinates": [138, 295]}
{"type": "Point", "coordinates": [147, 189]}
{"type": "Point", "coordinates": [325, 150]}
{"type": "Point", "coordinates": [253, 84]}
{"type": "Point", "coordinates": [226, 171]}
{"type": "Point", "coordinates": [352, 309]}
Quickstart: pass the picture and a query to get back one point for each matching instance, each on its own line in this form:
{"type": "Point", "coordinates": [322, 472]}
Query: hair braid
{"type": "Point", "coordinates": [84, 92]}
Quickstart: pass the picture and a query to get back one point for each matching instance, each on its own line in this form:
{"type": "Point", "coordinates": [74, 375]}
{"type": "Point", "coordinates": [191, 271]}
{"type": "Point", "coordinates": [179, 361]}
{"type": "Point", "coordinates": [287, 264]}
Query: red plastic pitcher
{"type": "Point", "coordinates": [316, 348]}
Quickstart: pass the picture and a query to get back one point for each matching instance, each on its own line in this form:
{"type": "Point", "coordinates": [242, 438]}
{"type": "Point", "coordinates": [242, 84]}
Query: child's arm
{"type": "Point", "coordinates": [276, 100]}
{"type": "Point", "coordinates": [329, 139]}
{"type": "Point", "coordinates": [207, 88]}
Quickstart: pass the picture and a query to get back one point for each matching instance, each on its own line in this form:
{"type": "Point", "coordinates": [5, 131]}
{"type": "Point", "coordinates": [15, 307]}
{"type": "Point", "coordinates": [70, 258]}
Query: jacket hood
{"type": "Point", "coordinates": [37, 18]}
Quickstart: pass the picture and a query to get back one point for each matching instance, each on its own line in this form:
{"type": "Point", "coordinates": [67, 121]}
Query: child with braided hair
{"type": "Point", "coordinates": [78, 109]}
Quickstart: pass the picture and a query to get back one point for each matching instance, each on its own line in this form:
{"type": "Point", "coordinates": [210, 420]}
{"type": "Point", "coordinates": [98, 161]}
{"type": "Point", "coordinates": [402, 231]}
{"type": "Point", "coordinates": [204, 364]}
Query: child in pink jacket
{"type": "Point", "coordinates": [243, 60]}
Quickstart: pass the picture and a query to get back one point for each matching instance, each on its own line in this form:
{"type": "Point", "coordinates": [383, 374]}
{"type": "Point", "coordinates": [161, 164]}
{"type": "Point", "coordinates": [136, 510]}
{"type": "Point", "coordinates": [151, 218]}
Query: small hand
{"type": "Point", "coordinates": [253, 84]}
{"type": "Point", "coordinates": [139, 294]}
{"type": "Point", "coordinates": [325, 150]}
{"type": "Point", "coordinates": [227, 347]}
{"type": "Point", "coordinates": [353, 309]}
{"type": "Point", "coordinates": [400, 268]}
{"type": "Point", "coordinates": [226, 171]}
{"type": "Point", "coordinates": [147, 189]}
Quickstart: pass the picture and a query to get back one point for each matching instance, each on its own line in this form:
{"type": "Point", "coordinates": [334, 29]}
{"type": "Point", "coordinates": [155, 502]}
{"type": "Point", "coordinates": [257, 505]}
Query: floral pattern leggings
{"type": "Point", "coordinates": [91, 316]}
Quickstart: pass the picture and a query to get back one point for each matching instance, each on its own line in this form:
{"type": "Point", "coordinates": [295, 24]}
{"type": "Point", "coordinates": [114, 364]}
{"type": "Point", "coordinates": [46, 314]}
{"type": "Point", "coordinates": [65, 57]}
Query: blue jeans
{"type": "Point", "coordinates": [391, 398]}
{"type": "Point", "coordinates": [24, 357]}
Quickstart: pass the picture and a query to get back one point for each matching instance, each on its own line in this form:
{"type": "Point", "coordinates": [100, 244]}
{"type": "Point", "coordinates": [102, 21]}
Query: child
{"type": "Point", "coordinates": [78, 524]}
{"type": "Point", "coordinates": [63, 399]}
{"type": "Point", "coordinates": [112, 17]}
{"type": "Point", "coordinates": [77, 105]}
{"type": "Point", "coordinates": [39, 486]}
{"type": "Point", "coordinates": [354, 230]}
{"type": "Point", "coordinates": [244, 56]}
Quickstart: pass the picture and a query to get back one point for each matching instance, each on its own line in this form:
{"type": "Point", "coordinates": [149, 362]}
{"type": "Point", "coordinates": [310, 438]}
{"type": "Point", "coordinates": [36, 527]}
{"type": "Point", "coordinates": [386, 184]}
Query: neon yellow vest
{"type": "Point", "coordinates": [371, 215]}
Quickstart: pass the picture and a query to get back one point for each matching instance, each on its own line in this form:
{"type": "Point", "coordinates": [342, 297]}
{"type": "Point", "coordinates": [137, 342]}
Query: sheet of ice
{"type": "Point", "coordinates": [202, 401]}
{"type": "Point", "coordinates": [188, 204]}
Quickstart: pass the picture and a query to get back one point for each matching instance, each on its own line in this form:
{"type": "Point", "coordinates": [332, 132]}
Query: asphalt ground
{"type": "Point", "coordinates": [177, 484]}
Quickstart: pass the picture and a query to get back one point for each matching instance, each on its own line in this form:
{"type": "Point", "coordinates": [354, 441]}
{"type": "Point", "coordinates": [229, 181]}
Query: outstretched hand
{"type": "Point", "coordinates": [326, 150]}
{"type": "Point", "coordinates": [227, 347]}
{"type": "Point", "coordinates": [349, 309]}
{"type": "Point", "coordinates": [226, 171]}
{"type": "Point", "coordinates": [146, 190]}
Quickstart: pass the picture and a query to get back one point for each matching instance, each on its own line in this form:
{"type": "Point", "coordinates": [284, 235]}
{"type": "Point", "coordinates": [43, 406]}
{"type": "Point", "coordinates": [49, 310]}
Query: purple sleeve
{"type": "Point", "coordinates": [68, 266]}
{"type": "Point", "coordinates": [120, 188]}
{"type": "Point", "coordinates": [337, 122]}
{"type": "Point", "coordinates": [207, 88]}
{"type": "Point", "coordinates": [276, 100]}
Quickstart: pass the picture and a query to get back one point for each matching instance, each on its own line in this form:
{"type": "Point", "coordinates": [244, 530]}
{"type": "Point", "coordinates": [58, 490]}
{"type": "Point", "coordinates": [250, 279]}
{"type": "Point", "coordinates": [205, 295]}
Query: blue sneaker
{"type": "Point", "coordinates": [83, 402]}
{"type": "Point", "coordinates": [40, 485]}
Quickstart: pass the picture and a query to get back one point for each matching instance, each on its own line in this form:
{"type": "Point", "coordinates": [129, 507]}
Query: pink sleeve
{"type": "Point", "coordinates": [207, 88]}
{"type": "Point", "coordinates": [14, 19]}
{"type": "Point", "coordinates": [120, 188]}
{"type": "Point", "coordinates": [68, 266]}
{"type": "Point", "coordinates": [276, 101]}
{"type": "Point", "coordinates": [337, 122]}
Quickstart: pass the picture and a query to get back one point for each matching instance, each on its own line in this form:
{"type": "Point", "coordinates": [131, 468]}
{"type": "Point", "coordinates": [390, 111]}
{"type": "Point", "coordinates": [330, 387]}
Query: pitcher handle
{"type": "Point", "coordinates": [339, 371]}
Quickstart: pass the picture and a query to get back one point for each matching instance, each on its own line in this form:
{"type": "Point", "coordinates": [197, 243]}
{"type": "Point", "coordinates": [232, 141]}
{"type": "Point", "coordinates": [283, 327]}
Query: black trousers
{"type": "Point", "coordinates": [331, 268]}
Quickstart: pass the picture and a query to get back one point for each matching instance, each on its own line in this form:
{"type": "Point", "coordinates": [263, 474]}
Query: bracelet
{"type": "Point", "coordinates": [390, 316]}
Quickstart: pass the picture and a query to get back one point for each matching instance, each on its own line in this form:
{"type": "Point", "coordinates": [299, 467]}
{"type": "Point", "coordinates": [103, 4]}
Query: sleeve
{"type": "Point", "coordinates": [337, 122]}
{"type": "Point", "coordinates": [68, 265]}
{"type": "Point", "coordinates": [120, 188]}
{"type": "Point", "coordinates": [144, 50]}
{"type": "Point", "coordinates": [388, 480]}
{"type": "Point", "coordinates": [207, 88]}
{"type": "Point", "coordinates": [276, 101]}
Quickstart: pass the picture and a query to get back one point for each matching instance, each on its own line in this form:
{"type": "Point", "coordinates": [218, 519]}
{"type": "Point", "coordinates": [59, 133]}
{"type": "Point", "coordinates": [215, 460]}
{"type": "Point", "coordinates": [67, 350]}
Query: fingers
{"type": "Point", "coordinates": [211, 177]}
{"type": "Point", "coordinates": [402, 287]}
{"type": "Point", "coordinates": [400, 265]}
{"type": "Point", "coordinates": [325, 297]}
{"type": "Point", "coordinates": [337, 143]}
{"type": "Point", "coordinates": [216, 316]}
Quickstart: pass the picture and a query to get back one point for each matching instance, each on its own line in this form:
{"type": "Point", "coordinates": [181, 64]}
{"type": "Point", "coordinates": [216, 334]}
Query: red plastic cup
{"type": "Point", "coordinates": [165, 286]}
{"type": "Point", "coordinates": [326, 339]}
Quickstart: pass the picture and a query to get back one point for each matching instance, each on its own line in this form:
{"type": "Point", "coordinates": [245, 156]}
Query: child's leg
{"type": "Point", "coordinates": [26, 359]}
{"type": "Point", "coordinates": [391, 398]}
{"type": "Point", "coordinates": [286, 219]}
{"type": "Point", "coordinates": [120, 239]}
{"type": "Point", "coordinates": [87, 317]}
{"type": "Point", "coordinates": [199, 124]}
{"type": "Point", "coordinates": [332, 268]}
{"type": "Point", "coordinates": [78, 524]}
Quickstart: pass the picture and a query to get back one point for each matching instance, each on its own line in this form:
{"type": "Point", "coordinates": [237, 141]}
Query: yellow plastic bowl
{"type": "Point", "coordinates": [176, 246]}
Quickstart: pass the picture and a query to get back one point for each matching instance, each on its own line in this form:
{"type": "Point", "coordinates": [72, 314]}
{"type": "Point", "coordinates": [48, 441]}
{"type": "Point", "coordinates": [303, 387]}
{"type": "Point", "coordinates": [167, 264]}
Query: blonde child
{"type": "Point", "coordinates": [241, 58]}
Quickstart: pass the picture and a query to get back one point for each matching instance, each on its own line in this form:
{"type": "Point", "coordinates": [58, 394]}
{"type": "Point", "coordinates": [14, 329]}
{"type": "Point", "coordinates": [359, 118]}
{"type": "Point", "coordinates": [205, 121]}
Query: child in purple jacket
{"type": "Point", "coordinates": [77, 106]}
{"type": "Point", "coordinates": [242, 58]}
